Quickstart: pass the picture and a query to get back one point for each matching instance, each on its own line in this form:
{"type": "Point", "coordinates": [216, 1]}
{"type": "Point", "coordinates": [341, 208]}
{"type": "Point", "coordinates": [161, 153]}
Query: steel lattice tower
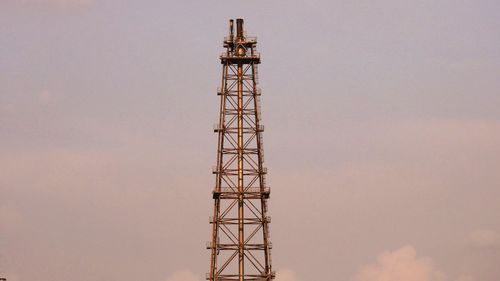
{"type": "Point", "coordinates": [240, 246]}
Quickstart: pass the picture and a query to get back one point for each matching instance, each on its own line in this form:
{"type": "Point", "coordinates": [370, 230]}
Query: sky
{"type": "Point", "coordinates": [382, 137]}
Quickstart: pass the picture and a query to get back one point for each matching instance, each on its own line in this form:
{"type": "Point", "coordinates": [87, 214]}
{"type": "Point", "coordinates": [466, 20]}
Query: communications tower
{"type": "Point", "coordinates": [240, 246]}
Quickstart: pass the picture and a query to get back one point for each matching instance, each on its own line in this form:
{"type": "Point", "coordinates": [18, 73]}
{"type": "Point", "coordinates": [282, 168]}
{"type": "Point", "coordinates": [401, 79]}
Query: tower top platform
{"type": "Point", "coordinates": [240, 49]}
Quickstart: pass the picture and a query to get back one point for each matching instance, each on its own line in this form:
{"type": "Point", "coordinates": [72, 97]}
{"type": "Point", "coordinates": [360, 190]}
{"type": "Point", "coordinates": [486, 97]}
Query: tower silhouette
{"type": "Point", "coordinates": [240, 246]}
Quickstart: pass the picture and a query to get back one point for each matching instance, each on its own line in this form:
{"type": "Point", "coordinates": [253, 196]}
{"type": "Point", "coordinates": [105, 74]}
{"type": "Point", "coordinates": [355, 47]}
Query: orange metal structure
{"type": "Point", "coordinates": [240, 246]}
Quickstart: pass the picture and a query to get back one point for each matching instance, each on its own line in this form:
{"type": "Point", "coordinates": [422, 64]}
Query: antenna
{"type": "Point", "coordinates": [231, 30]}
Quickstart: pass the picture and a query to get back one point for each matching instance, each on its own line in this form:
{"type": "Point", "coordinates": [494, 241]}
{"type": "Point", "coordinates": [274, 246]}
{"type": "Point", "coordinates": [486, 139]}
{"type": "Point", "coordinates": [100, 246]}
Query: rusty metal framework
{"type": "Point", "coordinates": [240, 246]}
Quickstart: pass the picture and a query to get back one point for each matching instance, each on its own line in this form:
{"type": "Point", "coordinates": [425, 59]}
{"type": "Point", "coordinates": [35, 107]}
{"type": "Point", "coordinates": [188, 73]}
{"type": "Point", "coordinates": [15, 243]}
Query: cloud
{"type": "Point", "coordinates": [184, 275]}
{"type": "Point", "coordinates": [286, 275]}
{"type": "Point", "coordinates": [485, 238]}
{"type": "Point", "coordinates": [403, 264]}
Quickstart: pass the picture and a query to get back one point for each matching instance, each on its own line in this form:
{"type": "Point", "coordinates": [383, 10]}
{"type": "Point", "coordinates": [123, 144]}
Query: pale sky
{"type": "Point", "coordinates": [382, 137]}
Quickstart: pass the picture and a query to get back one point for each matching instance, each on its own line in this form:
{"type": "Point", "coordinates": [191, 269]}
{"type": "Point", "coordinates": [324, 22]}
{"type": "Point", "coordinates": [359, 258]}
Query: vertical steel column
{"type": "Point", "coordinates": [241, 217]}
{"type": "Point", "coordinates": [241, 225]}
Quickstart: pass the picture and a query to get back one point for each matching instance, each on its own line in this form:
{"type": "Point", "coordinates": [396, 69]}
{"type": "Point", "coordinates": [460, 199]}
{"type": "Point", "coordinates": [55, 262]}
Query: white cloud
{"type": "Point", "coordinates": [485, 238]}
{"type": "Point", "coordinates": [184, 275]}
{"type": "Point", "coordinates": [403, 264]}
{"type": "Point", "coordinates": [286, 275]}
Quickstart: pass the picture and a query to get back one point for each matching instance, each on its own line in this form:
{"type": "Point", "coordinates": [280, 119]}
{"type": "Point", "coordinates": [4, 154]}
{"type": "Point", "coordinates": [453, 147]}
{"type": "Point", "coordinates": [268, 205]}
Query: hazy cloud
{"type": "Point", "coordinates": [485, 238]}
{"type": "Point", "coordinates": [286, 275]}
{"type": "Point", "coordinates": [184, 275]}
{"type": "Point", "coordinates": [403, 264]}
